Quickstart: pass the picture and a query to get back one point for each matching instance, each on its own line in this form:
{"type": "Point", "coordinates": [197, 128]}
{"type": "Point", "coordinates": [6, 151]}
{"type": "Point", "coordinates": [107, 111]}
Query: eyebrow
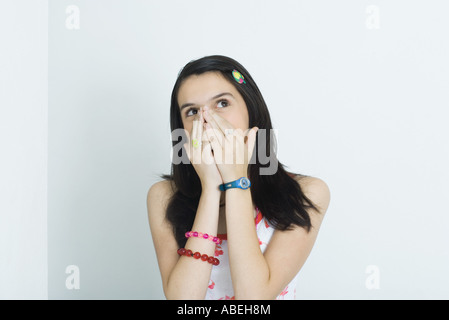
{"type": "Point", "coordinates": [185, 105]}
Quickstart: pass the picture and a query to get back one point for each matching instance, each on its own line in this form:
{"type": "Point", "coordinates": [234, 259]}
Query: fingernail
{"type": "Point", "coordinates": [205, 108]}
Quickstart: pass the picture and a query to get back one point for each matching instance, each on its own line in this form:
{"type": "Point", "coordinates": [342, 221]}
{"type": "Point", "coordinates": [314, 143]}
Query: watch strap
{"type": "Point", "coordinates": [242, 183]}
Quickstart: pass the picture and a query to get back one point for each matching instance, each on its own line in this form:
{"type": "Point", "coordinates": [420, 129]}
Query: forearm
{"type": "Point", "coordinates": [249, 270]}
{"type": "Point", "coordinates": [190, 277]}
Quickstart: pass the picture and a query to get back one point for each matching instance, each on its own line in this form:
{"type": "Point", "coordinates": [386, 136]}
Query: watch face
{"type": "Point", "coordinates": [244, 182]}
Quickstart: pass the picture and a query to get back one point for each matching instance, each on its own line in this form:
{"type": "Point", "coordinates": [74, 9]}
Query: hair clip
{"type": "Point", "coordinates": [238, 77]}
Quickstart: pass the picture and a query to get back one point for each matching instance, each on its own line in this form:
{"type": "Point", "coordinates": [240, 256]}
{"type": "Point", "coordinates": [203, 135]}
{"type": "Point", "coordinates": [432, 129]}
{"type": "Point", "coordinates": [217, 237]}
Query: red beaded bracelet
{"type": "Point", "coordinates": [203, 235]}
{"type": "Point", "coordinates": [197, 255]}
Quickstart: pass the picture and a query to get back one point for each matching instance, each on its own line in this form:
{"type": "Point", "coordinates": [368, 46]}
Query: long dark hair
{"type": "Point", "coordinates": [278, 196]}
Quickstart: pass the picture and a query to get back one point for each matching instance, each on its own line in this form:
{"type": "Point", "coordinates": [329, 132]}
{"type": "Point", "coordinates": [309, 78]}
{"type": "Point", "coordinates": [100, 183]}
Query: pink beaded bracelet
{"type": "Point", "coordinates": [204, 236]}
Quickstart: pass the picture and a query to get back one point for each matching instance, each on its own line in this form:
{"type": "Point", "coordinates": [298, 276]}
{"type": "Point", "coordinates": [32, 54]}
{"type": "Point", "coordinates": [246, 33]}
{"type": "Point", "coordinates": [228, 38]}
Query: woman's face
{"type": "Point", "coordinates": [213, 90]}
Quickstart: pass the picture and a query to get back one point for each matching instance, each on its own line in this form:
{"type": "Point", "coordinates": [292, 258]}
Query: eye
{"type": "Point", "coordinates": [222, 104]}
{"type": "Point", "coordinates": [191, 112]}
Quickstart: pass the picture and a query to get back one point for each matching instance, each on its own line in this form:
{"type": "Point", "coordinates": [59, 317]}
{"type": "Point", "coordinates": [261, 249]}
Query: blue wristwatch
{"type": "Point", "coordinates": [242, 183]}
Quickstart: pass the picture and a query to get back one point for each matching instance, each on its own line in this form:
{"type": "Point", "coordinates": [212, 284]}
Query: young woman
{"type": "Point", "coordinates": [225, 224]}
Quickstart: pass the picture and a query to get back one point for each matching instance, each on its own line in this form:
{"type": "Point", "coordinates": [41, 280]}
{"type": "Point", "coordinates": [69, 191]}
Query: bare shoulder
{"type": "Point", "coordinates": [316, 190]}
{"type": "Point", "coordinates": [161, 189]}
{"type": "Point", "coordinates": [158, 197]}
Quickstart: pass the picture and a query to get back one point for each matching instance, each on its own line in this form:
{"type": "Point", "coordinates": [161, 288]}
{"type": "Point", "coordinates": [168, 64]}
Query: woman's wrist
{"type": "Point", "coordinates": [234, 176]}
{"type": "Point", "coordinates": [210, 190]}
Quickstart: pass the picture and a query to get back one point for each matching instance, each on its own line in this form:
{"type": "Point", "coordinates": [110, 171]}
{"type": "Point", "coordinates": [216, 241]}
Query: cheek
{"type": "Point", "coordinates": [239, 120]}
{"type": "Point", "coordinates": [188, 126]}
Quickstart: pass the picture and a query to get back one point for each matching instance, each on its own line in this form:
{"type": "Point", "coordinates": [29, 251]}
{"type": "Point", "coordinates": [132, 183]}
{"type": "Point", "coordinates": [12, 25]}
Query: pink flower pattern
{"type": "Point", "coordinates": [281, 296]}
{"type": "Point", "coordinates": [220, 284]}
{"type": "Point", "coordinates": [218, 250]}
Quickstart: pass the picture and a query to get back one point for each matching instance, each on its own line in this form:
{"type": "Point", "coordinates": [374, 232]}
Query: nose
{"type": "Point", "coordinates": [202, 109]}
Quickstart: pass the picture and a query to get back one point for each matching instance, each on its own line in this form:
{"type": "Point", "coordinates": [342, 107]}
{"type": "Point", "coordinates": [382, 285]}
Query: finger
{"type": "Point", "coordinates": [196, 141]}
{"type": "Point", "coordinates": [200, 126]}
{"type": "Point", "coordinates": [250, 133]}
{"type": "Point", "coordinates": [194, 133]}
{"type": "Point", "coordinates": [187, 145]}
{"type": "Point", "coordinates": [207, 155]}
{"type": "Point", "coordinates": [251, 141]}
{"type": "Point", "coordinates": [216, 121]}
{"type": "Point", "coordinates": [214, 138]}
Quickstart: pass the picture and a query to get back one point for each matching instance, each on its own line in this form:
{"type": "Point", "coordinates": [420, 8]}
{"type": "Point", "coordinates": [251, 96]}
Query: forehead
{"type": "Point", "coordinates": [200, 88]}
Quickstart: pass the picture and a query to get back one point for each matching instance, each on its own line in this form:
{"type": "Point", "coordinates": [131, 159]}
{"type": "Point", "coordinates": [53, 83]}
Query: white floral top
{"type": "Point", "coordinates": [220, 283]}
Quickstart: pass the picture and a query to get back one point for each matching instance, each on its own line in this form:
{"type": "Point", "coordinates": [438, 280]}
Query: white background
{"type": "Point", "coordinates": [23, 153]}
{"type": "Point", "coordinates": [363, 109]}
